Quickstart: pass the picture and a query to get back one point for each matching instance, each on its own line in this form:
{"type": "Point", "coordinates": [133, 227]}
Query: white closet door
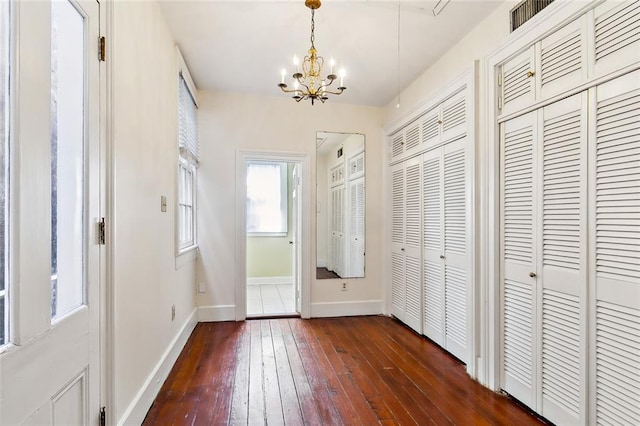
{"type": "Point", "coordinates": [456, 260]}
{"type": "Point", "coordinates": [431, 128]}
{"type": "Point", "coordinates": [519, 258]}
{"type": "Point", "coordinates": [413, 244]}
{"type": "Point", "coordinates": [615, 256]}
{"type": "Point", "coordinates": [356, 230]}
{"type": "Point", "coordinates": [433, 230]}
{"type": "Point", "coordinates": [412, 138]}
{"type": "Point", "coordinates": [398, 292]}
{"type": "Point", "coordinates": [397, 145]}
{"type": "Point", "coordinates": [562, 266]}
{"type": "Point", "coordinates": [454, 116]}
{"type": "Point", "coordinates": [563, 58]}
{"type": "Point", "coordinates": [617, 35]}
{"type": "Point", "coordinates": [518, 84]}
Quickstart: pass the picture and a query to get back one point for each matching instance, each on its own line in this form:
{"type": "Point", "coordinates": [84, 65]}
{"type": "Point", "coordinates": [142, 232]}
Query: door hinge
{"type": "Point", "coordinates": [500, 78]}
{"type": "Point", "coordinates": [101, 232]}
{"type": "Point", "coordinates": [103, 417]}
{"type": "Point", "coordinates": [499, 102]}
{"type": "Point", "coordinates": [103, 49]}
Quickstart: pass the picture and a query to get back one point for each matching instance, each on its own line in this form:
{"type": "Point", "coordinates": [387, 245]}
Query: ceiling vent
{"type": "Point", "coordinates": [526, 10]}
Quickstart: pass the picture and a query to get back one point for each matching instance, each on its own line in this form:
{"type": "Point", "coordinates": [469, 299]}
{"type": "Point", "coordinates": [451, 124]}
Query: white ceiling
{"type": "Point", "coordinates": [241, 46]}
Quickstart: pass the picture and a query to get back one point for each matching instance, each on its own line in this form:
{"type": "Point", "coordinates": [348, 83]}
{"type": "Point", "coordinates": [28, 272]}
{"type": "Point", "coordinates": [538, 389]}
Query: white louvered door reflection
{"type": "Point", "coordinates": [563, 58]}
{"type": "Point", "coordinates": [518, 226]}
{"type": "Point", "coordinates": [617, 35]}
{"type": "Point", "coordinates": [398, 291]}
{"type": "Point", "coordinates": [413, 244]}
{"type": "Point", "coordinates": [614, 213]}
{"type": "Point", "coordinates": [456, 252]}
{"type": "Point", "coordinates": [432, 230]}
{"type": "Point", "coordinates": [356, 228]}
{"type": "Point", "coordinates": [562, 265]}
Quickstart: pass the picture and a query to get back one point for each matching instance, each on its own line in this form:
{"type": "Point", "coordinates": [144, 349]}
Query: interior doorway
{"type": "Point", "coordinates": [272, 237]}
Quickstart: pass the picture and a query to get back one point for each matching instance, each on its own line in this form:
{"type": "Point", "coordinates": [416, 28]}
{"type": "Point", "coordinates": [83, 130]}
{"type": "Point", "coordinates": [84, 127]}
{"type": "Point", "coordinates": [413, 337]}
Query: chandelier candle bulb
{"type": "Point", "coordinates": [283, 73]}
{"type": "Point", "coordinates": [332, 65]}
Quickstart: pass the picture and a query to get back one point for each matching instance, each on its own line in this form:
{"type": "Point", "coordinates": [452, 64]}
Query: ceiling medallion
{"type": "Point", "coordinates": [307, 80]}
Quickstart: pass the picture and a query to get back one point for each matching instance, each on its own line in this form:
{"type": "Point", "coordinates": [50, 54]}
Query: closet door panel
{"type": "Point", "coordinates": [563, 59]}
{"type": "Point", "coordinates": [456, 264]}
{"type": "Point", "coordinates": [431, 129]}
{"type": "Point", "coordinates": [412, 138]}
{"type": "Point", "coordinates": [398, 295]}
{"type": "Point", "coordinates": [517, 82]}
{"type": "Point", "coordinates": [617, 36]}
{"type": "Point", "coordinates": [397, 145]}
{"type": "Point", "coordinates": [615, 256]}
{"type": "Point", "coordinates": [454, 116]}
{"type": "Point", "coordinates": [413, 244]}
{"type": "Point", "coordinates": [518, 226]}
{"type": "Point", "coordinates": [433, 230]}
{"type": "Point", "coordinates": [562, 265]}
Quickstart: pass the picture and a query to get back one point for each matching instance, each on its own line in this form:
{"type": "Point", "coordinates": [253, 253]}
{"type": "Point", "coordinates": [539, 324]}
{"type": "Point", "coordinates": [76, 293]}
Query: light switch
{"type": "Point", "coordinates": [163, 203]}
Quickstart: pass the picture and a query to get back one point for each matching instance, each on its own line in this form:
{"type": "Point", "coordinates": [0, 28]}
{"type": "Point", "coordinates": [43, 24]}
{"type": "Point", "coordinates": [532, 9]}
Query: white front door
{"type": "Point", "coordinates": [50, 364]}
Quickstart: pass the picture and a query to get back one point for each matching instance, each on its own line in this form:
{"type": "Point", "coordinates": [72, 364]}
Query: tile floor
{"type": "Point", "coordinates": [267, 299]}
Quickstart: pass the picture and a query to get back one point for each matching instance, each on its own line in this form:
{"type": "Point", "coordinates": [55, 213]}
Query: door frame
{"type": "Point", "coordinates": [242, 157]}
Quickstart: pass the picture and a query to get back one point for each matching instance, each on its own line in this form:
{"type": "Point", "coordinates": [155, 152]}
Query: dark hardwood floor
{"type": "Point", "coordinates": [324, 273]}
{"type": "Point", "coordinates": [358, 370]}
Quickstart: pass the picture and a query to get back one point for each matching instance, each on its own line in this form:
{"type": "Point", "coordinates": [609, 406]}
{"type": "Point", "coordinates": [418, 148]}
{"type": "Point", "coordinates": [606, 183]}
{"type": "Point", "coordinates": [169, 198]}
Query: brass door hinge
{"type": "Point", "coordinates": [101, 232]}
{"type": "Point", "coordinates": [103, 417]}
{"type": "Point", "coordinates": [103, 49]}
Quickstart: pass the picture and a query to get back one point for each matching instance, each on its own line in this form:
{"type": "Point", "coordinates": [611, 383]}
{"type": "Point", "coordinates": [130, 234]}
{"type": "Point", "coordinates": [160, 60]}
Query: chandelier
{"type": "Point", "coordinates": [307, 80]}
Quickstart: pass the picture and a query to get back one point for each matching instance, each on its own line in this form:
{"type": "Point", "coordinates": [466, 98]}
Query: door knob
{"type": "Point", "coordinates": [531, 73]}
{"type": "Point", "coordinates": [402, 249]}
{"type": "Point", "coordinates": [532, 274]}
{"type": "Point", "coordinates": [290, 242]}
{"type": "Point", "coordinates": [442, 256]}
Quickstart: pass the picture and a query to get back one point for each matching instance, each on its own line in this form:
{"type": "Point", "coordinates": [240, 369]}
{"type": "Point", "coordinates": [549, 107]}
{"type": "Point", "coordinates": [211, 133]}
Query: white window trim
{"type": "Point", "coordinates": [185, 253]}
{"type": "Point", "coordinates": [284, 200]}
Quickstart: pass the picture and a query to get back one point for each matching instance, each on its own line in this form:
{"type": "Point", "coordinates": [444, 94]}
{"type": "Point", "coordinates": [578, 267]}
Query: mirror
{"type": "Point", "coordinates": [340, 205]}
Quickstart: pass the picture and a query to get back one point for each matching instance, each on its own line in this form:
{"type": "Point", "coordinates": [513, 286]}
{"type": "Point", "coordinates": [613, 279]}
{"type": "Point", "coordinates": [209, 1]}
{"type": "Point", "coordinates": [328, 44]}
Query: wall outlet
{"type": "Point", "coordinates": [201, 288]}
{"type": "Point", "coordinates": [173, 312]}
{"type": "Point", "coordinates": [344, 287]}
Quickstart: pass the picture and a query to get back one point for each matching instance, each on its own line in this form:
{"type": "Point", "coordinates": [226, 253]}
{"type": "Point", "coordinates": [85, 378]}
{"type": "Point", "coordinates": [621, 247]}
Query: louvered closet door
{"type": "Point", "coordinates": [518, 226]}
{"type": "Point", "coordinates": [456, 258]}
{"type": "Point", "coordinates": [562, 267]}
{"type": "Point", "coordinates": [413, 244]}
{"type": "Point", "coordinates": [397, 145]}
{"type": "Point", "coordinates": [454, 116]}
{"type": "Point", "coordinates": [432, 237]}
{"type": "Point", "coordinates": [356, 230]}
{"type": "Point", "coordinates": [340, 229]}
{"type": "Point", "coordinates": [563, 58]}
{"type": "Point", "coordinates": [412, 138]}
{"type": "Point", "coordinates": [615, 257]}
{"type": "Point", "coordinates": [431, 127]}
{"type": "Point", "coordinates": [617, 36]}
{"type": "Point", "coordinates": [398, 291]}
{"type": "Point", "coordinates": [518, 85]}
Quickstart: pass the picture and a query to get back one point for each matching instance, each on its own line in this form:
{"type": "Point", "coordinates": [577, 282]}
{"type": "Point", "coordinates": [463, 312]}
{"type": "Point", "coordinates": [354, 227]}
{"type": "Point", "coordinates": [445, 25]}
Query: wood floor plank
{"type": "Point", "coordinates": [256, 411]}
{"type": "Point", "coordinates": [272, 401]}
{"type": "Point", "coordinates": [288, 394]}
{"type": "Point", "coordinates": [357, 370]}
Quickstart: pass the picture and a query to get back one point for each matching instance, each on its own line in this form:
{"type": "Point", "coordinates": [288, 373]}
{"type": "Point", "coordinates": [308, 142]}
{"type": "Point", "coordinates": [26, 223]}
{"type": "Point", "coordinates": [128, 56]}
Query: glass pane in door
{"type": "Point", "coordinates": [67, 157]}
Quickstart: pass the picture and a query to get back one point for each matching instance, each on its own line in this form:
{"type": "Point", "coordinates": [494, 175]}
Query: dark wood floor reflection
{"type": "Point", "coordinates": [358, 370]}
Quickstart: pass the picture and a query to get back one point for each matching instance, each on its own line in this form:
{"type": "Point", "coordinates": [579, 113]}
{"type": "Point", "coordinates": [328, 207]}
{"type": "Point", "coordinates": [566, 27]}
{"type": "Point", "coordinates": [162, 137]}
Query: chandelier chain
{"type": "Point", "coordinates": [313, 27]}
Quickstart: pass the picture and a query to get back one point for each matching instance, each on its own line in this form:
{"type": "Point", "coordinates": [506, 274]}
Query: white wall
{"type": "Point", "coordinates": [483, 39]}
{"type": "Point", "coordinates": [229, 122]}
{"type": "Point", "coordinates": [146, 281]}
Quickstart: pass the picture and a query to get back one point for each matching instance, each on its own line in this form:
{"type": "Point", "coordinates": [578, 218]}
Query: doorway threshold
{"type": "Point", "coordinates": [273, 316]}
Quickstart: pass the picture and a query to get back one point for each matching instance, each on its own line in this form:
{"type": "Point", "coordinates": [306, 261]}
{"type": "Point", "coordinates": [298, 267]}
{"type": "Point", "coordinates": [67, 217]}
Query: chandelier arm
{"type": "Point", "coordinates": [285, 90]}
{"type": "Point", "coordinates": [341, 89]}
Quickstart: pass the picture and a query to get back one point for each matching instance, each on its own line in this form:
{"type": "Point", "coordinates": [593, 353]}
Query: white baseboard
{"type": "Point", "coordinates": [321, 263]}
{"type": "Point", "coordinates": [269, 280]}
{"type": "Point", "coordinates": [346, 309]}
{"type": "Point", "coordinates": [137, 410]}
{"type": "Point", "coordinates": [216, 313]}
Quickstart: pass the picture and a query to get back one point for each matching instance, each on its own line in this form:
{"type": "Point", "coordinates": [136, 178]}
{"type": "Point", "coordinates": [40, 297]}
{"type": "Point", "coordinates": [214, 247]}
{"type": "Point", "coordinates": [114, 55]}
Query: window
{"type": "Point", "coordinates": [4, 167]}
{"type": "Point", "coordinates": [187, 165]}
{"type": "Point", "coordinates": [266, 198]}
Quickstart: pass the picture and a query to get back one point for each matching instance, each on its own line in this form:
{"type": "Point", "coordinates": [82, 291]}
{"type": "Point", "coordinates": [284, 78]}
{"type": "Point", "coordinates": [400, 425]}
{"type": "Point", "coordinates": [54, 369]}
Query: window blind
{"type": "Point", "coordinates": [187, 124]}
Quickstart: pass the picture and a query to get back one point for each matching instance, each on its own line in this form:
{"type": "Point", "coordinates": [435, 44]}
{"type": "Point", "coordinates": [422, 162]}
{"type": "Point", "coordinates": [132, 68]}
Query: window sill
{"type": "Point", "coordinates": [186, 255]}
